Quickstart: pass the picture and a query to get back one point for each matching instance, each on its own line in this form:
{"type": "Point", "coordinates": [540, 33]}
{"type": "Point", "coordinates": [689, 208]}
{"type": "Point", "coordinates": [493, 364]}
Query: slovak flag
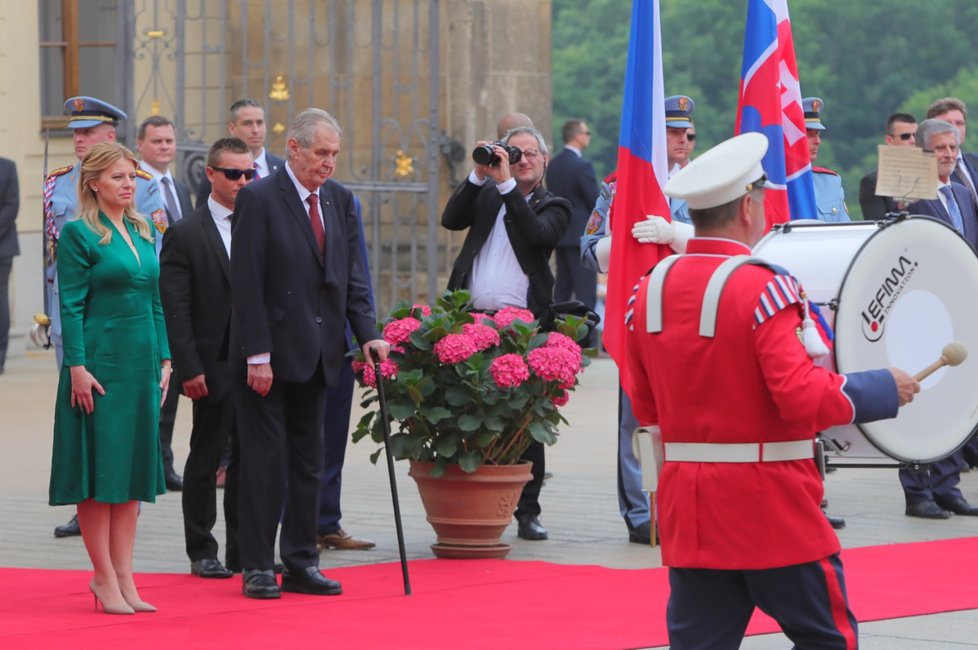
{"type": "Point", "coordinates": [770, 103]}
{"type": "Point", "coordinates": [642, 172]}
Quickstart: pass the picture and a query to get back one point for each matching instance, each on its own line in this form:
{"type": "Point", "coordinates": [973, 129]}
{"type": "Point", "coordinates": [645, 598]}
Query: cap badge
{"type": "Point", "coordinates": [79, 104]}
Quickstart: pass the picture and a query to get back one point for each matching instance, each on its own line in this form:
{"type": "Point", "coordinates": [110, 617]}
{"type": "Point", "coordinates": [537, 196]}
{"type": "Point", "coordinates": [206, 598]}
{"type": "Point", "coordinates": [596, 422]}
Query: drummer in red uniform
{"type": "Point", "coordinates": [724, 372]}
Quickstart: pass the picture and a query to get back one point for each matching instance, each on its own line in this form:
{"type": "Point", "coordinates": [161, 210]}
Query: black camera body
{"type": "Point", "coordinates": [485, 154]}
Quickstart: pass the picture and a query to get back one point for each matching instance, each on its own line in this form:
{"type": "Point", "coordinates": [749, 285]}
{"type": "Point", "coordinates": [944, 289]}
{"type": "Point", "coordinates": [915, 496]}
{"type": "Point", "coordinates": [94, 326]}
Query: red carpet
{"type": "Point", "coordinates": [456, 604]}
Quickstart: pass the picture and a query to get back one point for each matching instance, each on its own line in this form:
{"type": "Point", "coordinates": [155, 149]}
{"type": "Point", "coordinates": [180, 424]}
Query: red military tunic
{"type": "Point", "coordinates": [753, 382]}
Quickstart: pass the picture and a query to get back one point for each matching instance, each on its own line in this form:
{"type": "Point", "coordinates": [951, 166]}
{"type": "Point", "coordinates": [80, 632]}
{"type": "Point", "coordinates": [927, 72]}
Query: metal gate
{"type": "Point", "coordinates": [373, 64]}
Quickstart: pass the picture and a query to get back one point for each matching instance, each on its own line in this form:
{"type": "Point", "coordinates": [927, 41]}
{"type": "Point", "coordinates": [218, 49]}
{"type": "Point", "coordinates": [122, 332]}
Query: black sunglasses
{"type": "Point", "coordinates": [906, 136]}
{"type": "Point", "coordinates": [235, 174]}
{"type": "Point", "coordinates": [691, 136]}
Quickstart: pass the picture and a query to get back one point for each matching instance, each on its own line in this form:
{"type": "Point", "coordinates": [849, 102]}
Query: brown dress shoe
{"type": "Point", "coordinates": [343, 541]}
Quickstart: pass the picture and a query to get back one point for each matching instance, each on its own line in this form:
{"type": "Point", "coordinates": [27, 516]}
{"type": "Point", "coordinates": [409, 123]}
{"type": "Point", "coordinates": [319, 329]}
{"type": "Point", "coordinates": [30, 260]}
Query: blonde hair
{"type": "Point", "coordinates": [99, 158]}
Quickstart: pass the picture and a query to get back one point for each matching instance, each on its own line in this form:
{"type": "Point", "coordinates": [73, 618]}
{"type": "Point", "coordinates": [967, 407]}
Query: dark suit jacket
{"type": "Point", "coordinates": [183, 196]}
{"type": "Point", "coordinates": [572, 177]}
{"type": "Point", "coordinates": [288, 299]}
{"type": "Point", "coordinates": [874, 207]}
{"type": "Point", "coordinates": [204, 189]}
{"type": "Point", "coordinates": [533, 227]}
{"type": "Point", "coordinates": [969, 215]}
{"type": "Point", "coordinates": [195, 287]}
{"type": "Point", "coordinates": [9, 205]}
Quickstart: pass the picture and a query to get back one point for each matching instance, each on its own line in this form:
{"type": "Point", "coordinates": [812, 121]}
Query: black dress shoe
{"type": "Point", "coordinates": [258, 583]}
{"type": "Point", "coordinates": [173, 482]}
{"type": "Point", "coordinates": [71, 529]}
{"type": "Point", "coordinates": [927, 510]}
{"type": "Point", "coordinates": [209, 567]}
{"type": "Point", "coordinates": [837, 523]}
{"type": "Point", "coordinates": [958, 506]}
{"type": "Point", "coordinates": [530, 528]}
{"type": "Point", "coordinates": [310, 581]}
{"type": "Point", "coordinates": [641, 534]}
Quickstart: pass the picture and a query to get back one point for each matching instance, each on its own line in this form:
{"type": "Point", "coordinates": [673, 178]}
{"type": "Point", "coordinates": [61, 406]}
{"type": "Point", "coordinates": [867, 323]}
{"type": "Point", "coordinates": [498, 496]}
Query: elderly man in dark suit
{"type": "Point", "coordinates": [296, 273]}
{"type": "Point", "coordinates": [246, 121]}
{"type": "Point", "coordinates": [571, 176]}
{"type": "Point", "coordinates": [932, 493]}
{"type": "Point", "coordinates": [513, 225]}
{"type": "Point", "coordinates": [195, 286]}
{"type": "Point", "coordinates": [9, 247]}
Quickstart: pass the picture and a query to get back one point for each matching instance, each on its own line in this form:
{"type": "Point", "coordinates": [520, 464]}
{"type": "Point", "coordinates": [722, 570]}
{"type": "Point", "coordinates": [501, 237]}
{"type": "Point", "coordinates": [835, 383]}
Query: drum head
{"type": "Point", "coordinates": [911, 290]}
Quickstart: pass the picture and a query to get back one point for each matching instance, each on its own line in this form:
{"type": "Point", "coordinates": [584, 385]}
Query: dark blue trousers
{"type": "Point", "coordinates": [336, 431]}
{"type": "Point", "coordinates": [938, 480]}
{"type": "Point", "coordinates": [711, 608]}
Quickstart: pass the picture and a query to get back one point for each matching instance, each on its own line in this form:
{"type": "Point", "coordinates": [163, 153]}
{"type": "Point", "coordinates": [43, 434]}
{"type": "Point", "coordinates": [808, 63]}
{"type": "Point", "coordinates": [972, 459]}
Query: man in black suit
{"type": "Point", "coordinates": [246, 121]}
{"type": "Point", "coordinates": [295, 274]}
{"type": "Point", "coordinates": [195, 287]}
{"type": "Point", "coordinates": [932, 493]}
{"type": "Point", "coordinates": [9, 247]}
{"type": "Point", "coordinates": [156, 141]}
{"type": "Point", "coordinates": [901, 131]}
{"type": "Point", "coordinates": [571, 176]}
{"type": "Point", "coordinates": [513, 225]}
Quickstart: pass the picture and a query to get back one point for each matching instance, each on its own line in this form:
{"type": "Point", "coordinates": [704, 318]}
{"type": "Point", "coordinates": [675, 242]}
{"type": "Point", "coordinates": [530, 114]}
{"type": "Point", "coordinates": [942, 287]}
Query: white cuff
{"type": "Point", "coordinates": [258, 359]}
{"type": "Point", "coordinates": [475, 180]}
{"type": "Point", "coordinates": [507, 186]}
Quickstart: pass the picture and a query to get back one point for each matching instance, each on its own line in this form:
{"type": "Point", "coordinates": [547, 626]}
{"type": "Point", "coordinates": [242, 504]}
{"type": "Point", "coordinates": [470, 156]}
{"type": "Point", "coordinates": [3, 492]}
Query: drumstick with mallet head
{"type": "Point", "coordinates": [952, 354]}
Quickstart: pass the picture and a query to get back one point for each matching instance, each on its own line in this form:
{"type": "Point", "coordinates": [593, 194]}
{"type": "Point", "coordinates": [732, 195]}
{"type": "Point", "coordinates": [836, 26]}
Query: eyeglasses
{"type": "Point", "coordinates": [235, 174]}
{"type": "Point", "coordinates": [530, 154]}
{"type": "Point", "coordinates": [691, 136]}
{"type": "Point", "coordinates": [903, 136]}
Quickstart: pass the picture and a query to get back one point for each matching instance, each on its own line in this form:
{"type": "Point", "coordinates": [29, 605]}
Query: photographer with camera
{"type": "Point", "coordinates": [513, 225]}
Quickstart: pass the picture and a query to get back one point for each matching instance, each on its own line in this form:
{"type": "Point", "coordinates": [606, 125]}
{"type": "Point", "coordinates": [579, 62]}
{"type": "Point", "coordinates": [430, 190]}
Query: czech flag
{"type": "Point", "coordinates": [642, 173]}
{"type": "Point", "coordinates": [770, 103]}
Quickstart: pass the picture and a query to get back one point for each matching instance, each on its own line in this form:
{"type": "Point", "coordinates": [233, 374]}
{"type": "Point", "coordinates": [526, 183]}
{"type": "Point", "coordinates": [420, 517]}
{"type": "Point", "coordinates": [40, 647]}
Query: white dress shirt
{"type": "Point", "coordinates": [222, 219]}
{"type": "Point", "coordinates": [497, 279]}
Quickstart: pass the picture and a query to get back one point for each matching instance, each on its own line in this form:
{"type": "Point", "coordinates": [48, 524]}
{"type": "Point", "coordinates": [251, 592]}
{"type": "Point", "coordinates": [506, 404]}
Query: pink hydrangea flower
{"type": "Point", "coordinates": [507, 315]}
{"type": "Point", "coordinates": [560, 400]}
{"type": "Point", "coordinates": [558, 340]}
{"type": "Point", "coordinates": [425, 309]}
{"type": "Point", "coordinates": [555, 364]}
{"type": "Point", "coordinates": [485, 336]}
{"type": "Point", "coordinates": [453, 348]}
{"type": "Point", "coordinates": [388, 369]}
{"type": "Point", "coordinates": [399, 331]}
{"type": "Point", "coordinates": [509, 370]}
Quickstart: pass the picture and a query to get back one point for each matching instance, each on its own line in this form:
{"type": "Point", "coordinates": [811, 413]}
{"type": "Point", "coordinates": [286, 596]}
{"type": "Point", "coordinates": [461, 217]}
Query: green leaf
{"type": "Point", "coordinates": [542, 433]}
{"type": "Point", "coordinates": [435, 414]}
{"type": "Point", "coordinates": [447, 445]}
{"type": "Point", "coordinates": [401, 411]}
{"type": "Point", "coordinates": [468, 422]}
{"type": "Point", "coordinates": [414, 394]}
{"type": "Point", "coordinates": [457, 396]}
{"type": "Point", "coordinates": [469, 461]}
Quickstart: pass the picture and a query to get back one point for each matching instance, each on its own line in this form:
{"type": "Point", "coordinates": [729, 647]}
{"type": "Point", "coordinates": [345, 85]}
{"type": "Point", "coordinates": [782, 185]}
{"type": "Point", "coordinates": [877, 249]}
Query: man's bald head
{"type": "Point", "coordinates": [512, 121]}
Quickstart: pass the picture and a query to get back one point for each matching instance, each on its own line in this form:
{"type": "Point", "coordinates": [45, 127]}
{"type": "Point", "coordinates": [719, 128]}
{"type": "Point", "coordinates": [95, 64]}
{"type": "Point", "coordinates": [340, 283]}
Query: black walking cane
{"type": "Point", "coordinates": [390, 472]}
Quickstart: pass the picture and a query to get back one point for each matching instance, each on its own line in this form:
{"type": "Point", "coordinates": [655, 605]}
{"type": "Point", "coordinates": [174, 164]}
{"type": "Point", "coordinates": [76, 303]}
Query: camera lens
{"type": "Point", "coordinates": [484, 155]}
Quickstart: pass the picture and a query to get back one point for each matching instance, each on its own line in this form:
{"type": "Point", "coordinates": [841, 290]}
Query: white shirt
{"type": "Point", "coordinates": [497, 279]}
{"type": "Point", "coordinates": [158, 176]}
{"type": "Point", "coordinates": [222, 219]}
{"type": "Point", "coordinates": [261, 164]}
{"type": "Point", "coordinates": [304, 194]}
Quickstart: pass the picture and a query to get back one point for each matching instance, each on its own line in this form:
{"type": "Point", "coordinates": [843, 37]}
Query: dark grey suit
{"type": "Point", "coordinates": [9, 246]}
{"type": "Point", "coordinates": [969, 214]}
{"type": "Point", "coordinates": [195, 287]}
{"type": "Point", "coordinates": [292, 301]}
{"type": "Point", "coordinates": [572, 177]}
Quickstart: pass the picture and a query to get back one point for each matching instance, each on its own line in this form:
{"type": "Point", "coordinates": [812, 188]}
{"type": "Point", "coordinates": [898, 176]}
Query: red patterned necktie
{"type": "Point", "coordinates": [257, 171]}
{"type": "Point", "coordinates": [316, 221]}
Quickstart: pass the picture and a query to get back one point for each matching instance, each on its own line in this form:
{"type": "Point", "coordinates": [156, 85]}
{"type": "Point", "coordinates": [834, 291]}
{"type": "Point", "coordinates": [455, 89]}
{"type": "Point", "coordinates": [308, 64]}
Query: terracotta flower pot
{"type": "Point", "coordinates": [469, 512]}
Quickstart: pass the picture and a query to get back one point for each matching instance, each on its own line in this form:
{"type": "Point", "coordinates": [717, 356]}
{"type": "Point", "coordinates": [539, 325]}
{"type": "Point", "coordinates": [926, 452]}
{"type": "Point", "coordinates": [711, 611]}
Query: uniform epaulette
{"type": "Point", "coordinates": [60, 171]}
{"type": "Point", "coordinates": [823, 170]}
{"type": "Point", "coordinates": [143, 174]}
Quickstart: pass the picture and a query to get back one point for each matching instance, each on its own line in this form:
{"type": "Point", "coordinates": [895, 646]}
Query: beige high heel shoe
{"type": "Point", "coordinates": [109, 609]}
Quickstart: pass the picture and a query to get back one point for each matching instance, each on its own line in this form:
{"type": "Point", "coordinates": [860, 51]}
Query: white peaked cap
{"type": "Point", "coordinates": [721, 174]}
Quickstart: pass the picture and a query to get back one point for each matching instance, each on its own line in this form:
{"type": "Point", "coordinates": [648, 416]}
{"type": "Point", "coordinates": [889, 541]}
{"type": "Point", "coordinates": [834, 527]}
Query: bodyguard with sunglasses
{"type": "Point", "coordinates": [901, 131]}
{"type": "Point", "coordinates": [195, 289]}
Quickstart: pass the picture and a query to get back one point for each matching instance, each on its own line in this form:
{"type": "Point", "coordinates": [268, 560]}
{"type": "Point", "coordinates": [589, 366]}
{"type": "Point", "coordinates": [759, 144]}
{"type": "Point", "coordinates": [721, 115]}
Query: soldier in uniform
{"type": "Point", "coordinates": [92, 121]}
{"type": "Point", "coordinates": [830, 198]}
{"type": "Point", "coordinates": [739, 488]}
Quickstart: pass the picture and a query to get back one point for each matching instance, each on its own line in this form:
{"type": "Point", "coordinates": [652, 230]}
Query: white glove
{"type": "Point", "coordinates": [602, 253]}
{"type": "Point", "coordinates": [654, 230]}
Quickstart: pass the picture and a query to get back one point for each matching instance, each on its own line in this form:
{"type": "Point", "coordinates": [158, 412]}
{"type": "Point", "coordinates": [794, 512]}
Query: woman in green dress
{"type": "Point", "coordinates": [106, 456]}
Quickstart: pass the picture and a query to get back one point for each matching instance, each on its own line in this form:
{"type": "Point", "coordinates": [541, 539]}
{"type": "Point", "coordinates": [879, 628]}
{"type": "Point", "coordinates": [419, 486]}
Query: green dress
{"type": "Point", "coordinates": [112, 323]}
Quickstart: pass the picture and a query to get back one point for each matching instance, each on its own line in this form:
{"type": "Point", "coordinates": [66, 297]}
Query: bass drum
{"type": "Point", "coordinates": [895, 293]}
